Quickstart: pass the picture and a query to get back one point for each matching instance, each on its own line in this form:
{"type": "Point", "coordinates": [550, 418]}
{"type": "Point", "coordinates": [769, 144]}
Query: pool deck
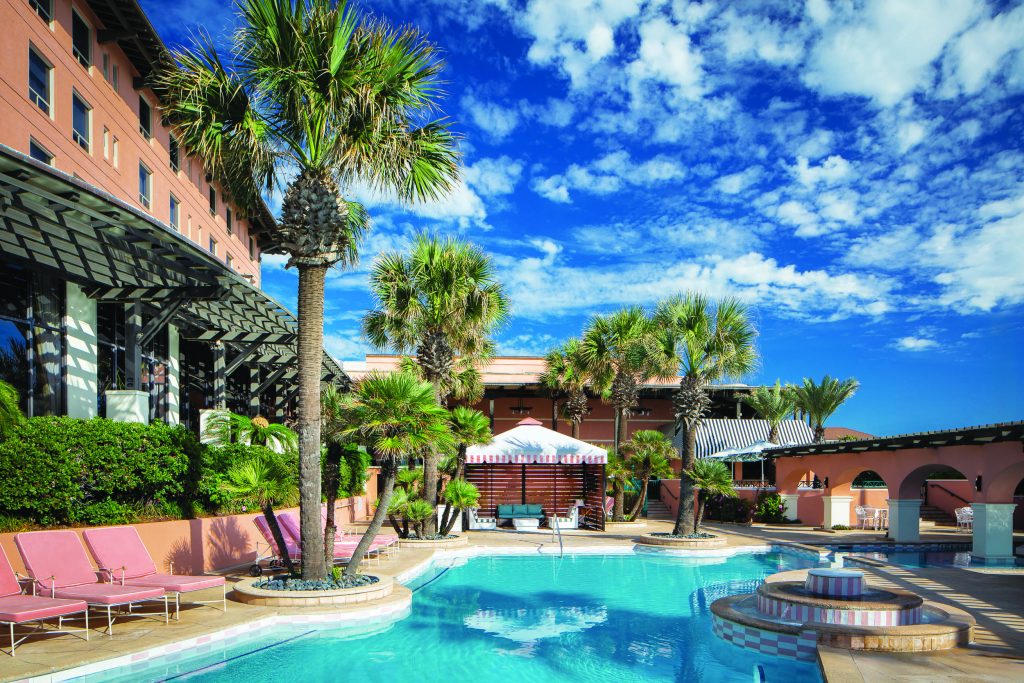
{"type": "Point", "coordinates": [995, 598]}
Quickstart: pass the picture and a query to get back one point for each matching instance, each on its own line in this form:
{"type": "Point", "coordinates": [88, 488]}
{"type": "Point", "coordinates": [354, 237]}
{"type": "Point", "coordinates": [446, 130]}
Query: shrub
{"type": "Point", "coordinates": [216, 462]}
{"type": "Point", "coordinates": [109, 512]}
{"type": "Point", "coordinates": [56, 470]}
{"type": "Point", "coordinates": [352, 472]}
{"type": "Point", "coordinates": [770, 508]}
{"type": "Point", "coordinates": [729, 509]}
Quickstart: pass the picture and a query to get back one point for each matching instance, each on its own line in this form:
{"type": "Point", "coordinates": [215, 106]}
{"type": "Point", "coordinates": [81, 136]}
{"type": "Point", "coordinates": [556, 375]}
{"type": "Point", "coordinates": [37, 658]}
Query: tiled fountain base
{"type": "Point", "coordinates": [802, 645]}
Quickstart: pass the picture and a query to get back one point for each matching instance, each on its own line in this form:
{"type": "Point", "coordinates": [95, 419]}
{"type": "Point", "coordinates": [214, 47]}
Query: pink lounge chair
{"type": "Point", "coordinates": [18, 609]}
{"type": "Point", "coordinates": [271, 552]}
{"type": "Point", "coordinates": [59, 565]}
{"type": "Point", "coordinates": [290, 528]}
{"type": "Point", "coordinates": [389, 541]}
{"type": "Point", "coordinates": [119, 551]}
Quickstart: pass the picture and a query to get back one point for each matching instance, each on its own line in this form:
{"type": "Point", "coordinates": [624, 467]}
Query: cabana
{"type": "Point", "coordinates": [531, 464]}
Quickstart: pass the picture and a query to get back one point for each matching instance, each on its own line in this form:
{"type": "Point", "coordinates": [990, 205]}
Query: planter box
{"type": "Point", "coordinates": [246, 591]}
{"type": "Point", "coordinates": [691, 543]}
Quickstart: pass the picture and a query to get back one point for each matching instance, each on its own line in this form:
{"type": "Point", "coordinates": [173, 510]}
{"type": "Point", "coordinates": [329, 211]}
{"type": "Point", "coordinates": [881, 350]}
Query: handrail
{"type": "Point", "coordinates": [940, 486]}
{"type": "Point", "coordinates": [558, 529]}
{"type": "Point", "coordinates": [669, 492]}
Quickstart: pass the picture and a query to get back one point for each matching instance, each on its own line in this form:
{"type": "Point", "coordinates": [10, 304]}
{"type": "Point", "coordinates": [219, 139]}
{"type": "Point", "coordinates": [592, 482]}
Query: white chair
{"type": "Point", "coordinates": [570, 522]}
{"type": "Point", "coordinates": [477, 523]}
{"type": "Point", "coordinates": [964, 519]}
{"type": "Point", "coordinates": [862, 516]}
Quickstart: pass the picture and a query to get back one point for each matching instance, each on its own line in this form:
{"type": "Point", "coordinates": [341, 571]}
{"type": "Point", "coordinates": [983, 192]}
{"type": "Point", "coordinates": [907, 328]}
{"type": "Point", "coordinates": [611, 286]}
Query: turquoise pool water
{"type": "Point", "coordinates": [510, 619]}
{"type": "Point", "coordinates": [926, 558]}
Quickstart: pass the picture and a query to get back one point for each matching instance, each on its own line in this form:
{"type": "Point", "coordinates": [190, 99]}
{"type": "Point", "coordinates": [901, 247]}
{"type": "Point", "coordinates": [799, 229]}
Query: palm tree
{"type": "Point", "coordinates": [318, 97]}
{"type": "Point", "coordinates": [264, 479]}
{"type": "Point", "coordinates": [712, 341]}
{"type": "Point", "coordinates": [441, 302]}
{"type": "Point", "coordinates": [396, 508]}
{"type": "Point", "coordinates": [334, 433]}
{"type": "Point", "coordinates": [619, 477]}
{"type": "Point", "coordinates": [564, 376]}
{"type": "Point", "coordinates": [469, 427]}
{"type": "Point", "coordinates": [10, 408]}
{"type": "Point", "coordinates": [459, 495]}
{"type": "Point", "coordinates": [710, 478]}
{"type": "Point", "coordinates": [226, 427]}
{"type": "Point", "coordinates": [620, 352]}
{"type": "Point", "coordinates": [819, 401]}
{"type": "Point", "coordinates": [393, 415]}
{"type": "Point", "coordinates": [774, 404]}
{"type": "Point", "coordinates": [647, 455]}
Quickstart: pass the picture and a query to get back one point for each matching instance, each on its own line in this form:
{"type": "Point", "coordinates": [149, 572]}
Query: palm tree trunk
{"type": "Point", "coordinates": [332, 476]}
{"type": "Point", "coordinates": [554, 413]}
{"type": "Point", "coordinates": [819, 433]}
{"type": "Point", "coordinates": [619, 492]}
{"type": "Point", "coordinates": [430, 489]}
{"type": "Point", "coordinates": [310, 360]}
{"type": "Point", "coordinates": [700, 513]}
{"type": "Point", "coordinates": [640, 500]}
{"type": "Point", "coordinates": [445, 518]}
{"type": "Point", "coordinates": [394, 523]}
{"type": "Point", "coordinates": [621, 436]}
{"type": "Point", "coordinates": [387, 488]}
{"type": "Point", "coordinates": [575, 429]}
{"type": "Point", "coordinates": [773, 435]}
{"type": "Point", "coordinates": [275, 531]}
{"type": "Point", "coordinates": [447, 528]}
{"type": "Point", "coordinates": [460, 462]}
{"type": "Point", "coordinates": [685, 518]}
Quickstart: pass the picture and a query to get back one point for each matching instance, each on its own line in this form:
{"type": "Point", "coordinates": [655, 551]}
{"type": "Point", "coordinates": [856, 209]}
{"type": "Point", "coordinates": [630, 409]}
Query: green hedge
{"type": "Point", "coordinates": [60, 470]}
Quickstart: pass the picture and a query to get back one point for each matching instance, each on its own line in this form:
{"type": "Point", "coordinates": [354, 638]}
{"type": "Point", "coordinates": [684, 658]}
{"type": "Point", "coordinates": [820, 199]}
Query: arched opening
{"type": "Point", "coordinates": [941, 489]}
{"type": "Point", "coordinates": [1008, 487]}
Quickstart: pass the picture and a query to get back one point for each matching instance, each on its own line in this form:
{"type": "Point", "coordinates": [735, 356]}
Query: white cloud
{"type": "Point", "coordinates": [273, 261]}
{"type": "Point", "coordinates": [915, 344]}
{"type": "Point", "coordinates": [830, 171]}
{"type": "Point", "coordinates": [495, 176]}
{"type": "Point", "coordinates": [910, 134]}
{"type": "Point", "coordinates": [839, 206]}
{"type": "Point", "coordinates": [666, 56]}
{"type": "Point", "coordinates": [494, 119]}
{"type": "Point", "coordinates": [981, 51]}
{"type": "Point", "coordinates": [527, 344]}
{"type": "Point", "coordinates": [347, 345]}
{"type": "Point", "coordinates": [609, 174]}
{"type": "Point", "coordinates": [734, 183]}
{"type": "Point", "coordinates": [553, 188]}
{"type": "Point", "coordinates": [795, 213]}
{"type": "Point", "coordinates": [748, 37]}
{"type": "Point", "coordinates": [884, 49]}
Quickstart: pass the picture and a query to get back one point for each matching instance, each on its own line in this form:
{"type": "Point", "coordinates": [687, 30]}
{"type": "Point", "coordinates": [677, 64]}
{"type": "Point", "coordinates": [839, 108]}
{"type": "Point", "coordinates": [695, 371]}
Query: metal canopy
{"type": "Point", "coordinates": [964, 436]}
{"type": "Point", "coordinates": [117, 253]}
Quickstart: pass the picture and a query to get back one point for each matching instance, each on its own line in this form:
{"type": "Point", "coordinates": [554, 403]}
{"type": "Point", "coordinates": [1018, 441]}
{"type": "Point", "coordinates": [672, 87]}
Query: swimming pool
{"type": "Point", "coordinates": [924, 558]}
{"type": "Point", "coordinates": [538, 618]}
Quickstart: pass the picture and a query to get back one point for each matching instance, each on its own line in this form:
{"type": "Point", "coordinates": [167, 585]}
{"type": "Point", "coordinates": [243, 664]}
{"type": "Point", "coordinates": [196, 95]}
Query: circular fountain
{"type": "Point", "coordinates": [793, 612]}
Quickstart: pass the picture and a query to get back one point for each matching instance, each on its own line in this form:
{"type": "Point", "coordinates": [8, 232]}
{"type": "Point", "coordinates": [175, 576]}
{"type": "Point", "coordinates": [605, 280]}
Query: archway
{"type": "Point", "coordinates": [927, 495]}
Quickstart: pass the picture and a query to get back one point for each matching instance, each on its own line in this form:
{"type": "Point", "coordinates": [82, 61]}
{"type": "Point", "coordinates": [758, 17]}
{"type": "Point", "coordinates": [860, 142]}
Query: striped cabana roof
{"type": "Point", "coordinates": [530, 442]}
{"type": "Point", "coordinates": [714, 436]}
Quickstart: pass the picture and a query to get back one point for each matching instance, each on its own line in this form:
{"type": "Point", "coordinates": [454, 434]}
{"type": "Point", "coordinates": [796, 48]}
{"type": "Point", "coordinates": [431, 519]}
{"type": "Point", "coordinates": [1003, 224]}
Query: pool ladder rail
{"type": "Point", "coordinates": [556, 530]}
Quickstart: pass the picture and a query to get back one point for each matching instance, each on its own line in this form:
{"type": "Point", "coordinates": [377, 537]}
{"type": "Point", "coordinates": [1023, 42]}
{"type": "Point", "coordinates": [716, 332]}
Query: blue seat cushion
{"type": "Point", "coordinates": [505, 511]}
{"type": "Point", "coordinates": [519, 510]}
{"type": "Point", "coordinates": [533, 509]}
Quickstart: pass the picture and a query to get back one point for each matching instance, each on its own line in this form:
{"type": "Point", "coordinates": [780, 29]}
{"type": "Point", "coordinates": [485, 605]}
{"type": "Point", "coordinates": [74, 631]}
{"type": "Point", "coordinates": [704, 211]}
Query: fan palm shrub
{"type": "Point", "coordinates": [458, 495]}
{"type": "Point", "coordinates": [10, 409]}
{"type": "Point", "coordinates": [393, 415]}
{"type": "Point", "coordinates": [226, 427]}
{"type": "Point", "coordinates": [712, 341]}
{"type": "Point", "coordinates": [313, 96]}
{"type": "Point", "coordinates": [648, 454]}
{"type": "Point", "coordinates": [619, 353]}
{"type": "Point", "coordinates": [821, 400]}
{"type": "Point", "coordinates": [470, 427]}
{"type": "Point", "coordinates": [710, 478]}
{"type": "Point", "coordinates": [773, 404]}
{"type": "Point", "coordinates": [440, 302]}
{"type": "Point", "coordinates": [565, 376]}
{"type": "Point", "coordinates": [263, 479]}
{"type": "Point", "coordinates": [619, 476]}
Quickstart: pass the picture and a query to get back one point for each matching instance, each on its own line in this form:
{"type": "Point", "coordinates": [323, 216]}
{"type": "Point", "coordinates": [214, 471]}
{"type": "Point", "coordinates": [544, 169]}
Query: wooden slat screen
{"type": "Point", "coordinates": [555, 487]}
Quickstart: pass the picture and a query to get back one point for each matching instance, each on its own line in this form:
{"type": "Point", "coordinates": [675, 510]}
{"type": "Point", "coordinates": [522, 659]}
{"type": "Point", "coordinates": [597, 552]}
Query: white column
{"type": "Point", "coordinates": [837, 510]}
{"type": "Point", "coordinates": [791, 500]}
{"type": "Point", "coordinates": [80, 353]}
{"type": "Point", "coordinates": [993, 532]}
{"type": "Point", "coordinates": [173, 373]}
{"type": "Point", "coordinates": [128, 405]}
{"type": "Point", "coordinates": [905, 520]}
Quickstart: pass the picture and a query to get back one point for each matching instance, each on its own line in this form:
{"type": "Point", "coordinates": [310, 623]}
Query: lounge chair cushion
{"type": "Point", "coordinates": [57, 554]}
{"type": "Point", "coordinates": [8, 579]}
{"type": "Point", "coordinates": [118, 547]}
{"type": "Point", "coordinates": [175, 582]}
{"type": "Point", "coordinates": [108, 594]}
{"type": "Point", "coordinates": [21, 608]}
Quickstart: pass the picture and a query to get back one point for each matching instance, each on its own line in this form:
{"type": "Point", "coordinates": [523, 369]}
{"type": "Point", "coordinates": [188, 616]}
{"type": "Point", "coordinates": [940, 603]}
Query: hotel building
{"type": "Point", "coordinates": [129, 284]}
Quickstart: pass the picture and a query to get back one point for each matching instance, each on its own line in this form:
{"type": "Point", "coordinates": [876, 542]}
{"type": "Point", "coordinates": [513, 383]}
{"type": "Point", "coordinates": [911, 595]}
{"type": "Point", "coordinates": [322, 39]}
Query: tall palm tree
{"type": "Point", "coordinates": [393, 415]}
{"type": "Point", "coordinates": [647, 454]}
{"type": "Point", "coordinates": [565, 376]}
{"type": "Point", "coordinates": [712, 341]}
{"type": "Point", "coordinates": [820, 401]}
{"type": "Point", "coordinates": [441, 302]}
{"type": "Point", "coordinates": [620, 352]}
{"type": "Point", "coordinates": [469, 427]}
{"type": "Point", "coordinates": [316, 97]}
{"type": "Point", "coordinates": [710, 478]}
{"type": "Point", "coordinates": [10, 408]}
{"type": "Point", "coordinates": [265, 480]}
{"type": "Point", "coordinates": [773, 404]}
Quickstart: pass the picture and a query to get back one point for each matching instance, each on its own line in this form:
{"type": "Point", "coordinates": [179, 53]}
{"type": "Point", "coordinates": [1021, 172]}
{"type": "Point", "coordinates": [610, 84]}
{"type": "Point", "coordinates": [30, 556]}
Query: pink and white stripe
{"type": "Point", "coordinates": [849, 585]}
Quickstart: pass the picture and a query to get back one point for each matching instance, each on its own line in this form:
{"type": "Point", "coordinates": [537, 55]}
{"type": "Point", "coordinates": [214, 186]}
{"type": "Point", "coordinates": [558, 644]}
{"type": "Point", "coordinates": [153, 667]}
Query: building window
{"type": "Point", "coordinates": [44, 8]}
{"type": "Point", "coordinates": [32, 338]}
{"type": "Point", "coordinates": [213, 201]}
{"type": "Point", "coordinates": [115, 77]}
{"type": "Point", "coordinates": [106, 142]}
{"type": "Point", "coordinates": [39, 73]}
{"type": "Point", "coordinates": [229, 219]}
{"type": "Point", "coordinates": [230, 262]}
{"type": "Point", "coordinates": [113, 151]}
{"type": "Point", "coordinates": [145, 118]}
{"type": "Point", "coordinates": [81, 40]}
{"type": "Point", "coordinates": [39, 153]}
{"type": "Point", "coordinates": [145, 186]}
{"type": "Point", "coordinates": [81, 113]}
{"type": "Point", "coordinates": [174, 212]}
{"type": "Point", "coordinates": [105, 60]}
{"type": "Point", "coordinates": [172, 150]}
{"type": "Point", "coordinates": [213, 246]}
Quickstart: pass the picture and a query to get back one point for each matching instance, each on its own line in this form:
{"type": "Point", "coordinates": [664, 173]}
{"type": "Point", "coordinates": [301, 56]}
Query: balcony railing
{"type": "Point", "coordinates": [753, 484]}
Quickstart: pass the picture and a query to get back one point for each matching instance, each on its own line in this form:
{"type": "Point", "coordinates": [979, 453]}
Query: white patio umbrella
{"type": "Point", "coordinates": [751, 453]}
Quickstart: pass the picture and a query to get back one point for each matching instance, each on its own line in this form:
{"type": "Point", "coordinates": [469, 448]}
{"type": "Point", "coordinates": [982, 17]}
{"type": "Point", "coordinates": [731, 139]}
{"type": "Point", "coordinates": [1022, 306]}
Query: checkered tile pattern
{"type": "Point", "coordinates": [803, 646]}
{"type": "Point", "coordinates": [803, 614]}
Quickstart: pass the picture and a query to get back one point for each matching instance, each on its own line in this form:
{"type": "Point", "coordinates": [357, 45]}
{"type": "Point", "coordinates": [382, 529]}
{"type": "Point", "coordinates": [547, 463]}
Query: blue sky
{"type": "Point", "coordinates": [853, 171]}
